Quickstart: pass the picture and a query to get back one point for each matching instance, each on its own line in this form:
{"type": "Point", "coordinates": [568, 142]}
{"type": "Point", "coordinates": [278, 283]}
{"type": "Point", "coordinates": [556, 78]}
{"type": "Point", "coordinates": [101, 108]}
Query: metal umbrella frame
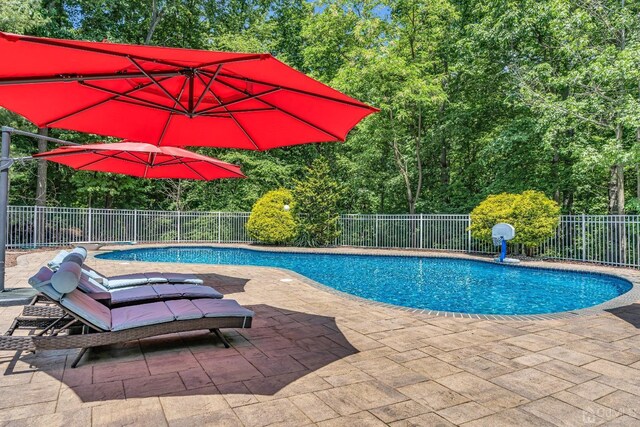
{"type": "Point", "coordinates": [183, 96]}
{"type": "Point", "coordinates": [142, 160]}
{"type": "Point", "coordinates": [70, 147]}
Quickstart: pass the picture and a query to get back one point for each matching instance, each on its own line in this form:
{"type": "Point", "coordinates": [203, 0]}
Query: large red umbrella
{"type": "Point", "coordinates": [168, 96]}
{"type": "Point", "coordinates": [142, 160]}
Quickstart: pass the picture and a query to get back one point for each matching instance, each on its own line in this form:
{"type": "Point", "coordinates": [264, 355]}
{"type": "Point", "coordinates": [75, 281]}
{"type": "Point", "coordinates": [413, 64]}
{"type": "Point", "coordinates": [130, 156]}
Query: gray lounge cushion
{"type": "Point", "coordinates": [140, 315]}
{"type": "Point", "coordinates": [125, 280]}
{"type": "Point", "coordinates": [182, 278]}
{"type": "Point", "coordinates": [221, 308]}
{"type": "Point", "coordinates": [183, 309]}
{"type": "Point", "coordinates": [139, 293]}
{"type": "Point", "coordinates": [88, 309]}
{"type": "Point", "coordinates": [155, 277]}
{"type": "Point", "coordinates": [197, 291]}
{"type": "Point", "coordinates": [41, 281]}
{"type": "Point", "coordinates": [167, 291]}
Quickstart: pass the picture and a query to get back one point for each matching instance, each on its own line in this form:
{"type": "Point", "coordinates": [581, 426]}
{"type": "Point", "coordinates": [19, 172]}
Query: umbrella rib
{"type": "Point", "coordinates": [104, 157]}
{"type": "Point", "coordinates": [192, 169]}
{"type": "Point", "coordinates": [206, 89]}
{"type": "Point", "coordinates": [226, 104]}
{"type": "Point", "coordinates": [97, 104]}
{"type": "Point", "coordinates": [73, 78]}
{"type": "Point", "coordinates": [133, 98]}
{"type": "Point", "coordinates": [246, 110]}
{"type": "Point", "coordinates": [166, 92]}
{"type": "Point", "coordinates": [255, 57]}
{"type": "Point", "coordinates": [186, 163]}
{"type": "Point", "coordinates": [150, 105]}
{"type": "Point", "coordinates": [300, 119]}
{"type": "Point", "coordinates": [233, 117]}
{"type": "Point", "coordinates": [220, 165]}
{"type": "Point", "coordinates": [166, 125]}
{"type": "Point", "coordinates": [61, 43]}
{"type": "Point", "coordinates": [301, 91]}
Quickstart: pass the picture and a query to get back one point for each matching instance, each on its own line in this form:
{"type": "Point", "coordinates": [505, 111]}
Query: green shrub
{"type": "Point", "coordinates": [269, 222]}
{"type": "Point", "coordinates": [534, 216]}
{"type": "Point", "coordinates": [317, 199]}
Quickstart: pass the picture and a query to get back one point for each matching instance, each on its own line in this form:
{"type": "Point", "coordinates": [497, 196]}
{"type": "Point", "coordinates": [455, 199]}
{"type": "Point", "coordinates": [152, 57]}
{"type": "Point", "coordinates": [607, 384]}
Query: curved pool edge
{"type": "Point", "coordinates": [621, 273]}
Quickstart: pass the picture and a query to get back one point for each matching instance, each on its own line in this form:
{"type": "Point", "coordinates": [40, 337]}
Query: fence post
{"type": "Point", "coordinates": [179, 225]}
{"type": "Point", "coordinates": [469, 248]}
{"type": "Point", "coordinates": [135, 225]}
{"type": "Point", "coordinates": [377, 231]}
{"type": "Point", "coordinates": [584, 237]}
{"type": "Point", "coordinates": [35, 226]}
{"type": "Point", "coordinates": [219, 225]}
{"type": "Point", "coordinates": [420, 230]}
{"type": "Point", "coordinates": [90, 225]}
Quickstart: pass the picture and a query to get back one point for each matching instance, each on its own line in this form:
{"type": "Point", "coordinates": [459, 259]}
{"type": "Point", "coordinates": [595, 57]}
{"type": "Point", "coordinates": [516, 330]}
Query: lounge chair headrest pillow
{"type": "Point", "coordinates": [43, 275]}
{"type": "Point", "coordinates": [67, 277]}
{"type": "Point", "coordinates": [41, 281]}
{"type": "Point", "coordinates": [80, 251]}
{"type": "Point", "coordinates": [57, 260]}
{"type": "Point", "coordinates": [73, 257]}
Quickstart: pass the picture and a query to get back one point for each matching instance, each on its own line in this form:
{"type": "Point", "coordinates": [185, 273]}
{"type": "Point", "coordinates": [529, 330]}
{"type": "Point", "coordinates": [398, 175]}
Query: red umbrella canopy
{"type": "Point", "coordinates": [168, 96]}
{"type": "Point", "coordinates": [142, 160]}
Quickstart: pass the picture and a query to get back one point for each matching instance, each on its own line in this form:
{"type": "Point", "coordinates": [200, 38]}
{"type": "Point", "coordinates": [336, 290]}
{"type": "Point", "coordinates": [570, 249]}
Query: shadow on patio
{"type": "Point", "coordinates": [628, 313]}
{"type": "Point", "coordinates": [224, 284]}
{"type": "Point", "coordinates": [282, 347]}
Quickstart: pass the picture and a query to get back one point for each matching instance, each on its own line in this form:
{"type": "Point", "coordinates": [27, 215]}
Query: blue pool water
{"type": "Point", "coordinates": [443, 284]}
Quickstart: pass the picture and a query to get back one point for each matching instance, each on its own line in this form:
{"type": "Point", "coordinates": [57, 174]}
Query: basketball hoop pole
{"type": "Point", "coordinates": [503, 251]}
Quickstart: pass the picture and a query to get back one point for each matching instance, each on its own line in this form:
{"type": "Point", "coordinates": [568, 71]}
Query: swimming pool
{"type": "Point", "coordinates": [442, 284]}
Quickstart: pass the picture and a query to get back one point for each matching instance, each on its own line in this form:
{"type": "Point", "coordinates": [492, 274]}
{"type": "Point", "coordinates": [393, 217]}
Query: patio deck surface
{"type": "Point", "coordinates": [315, 357]}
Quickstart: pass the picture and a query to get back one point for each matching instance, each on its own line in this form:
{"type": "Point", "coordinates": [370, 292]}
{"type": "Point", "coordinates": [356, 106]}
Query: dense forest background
{"type": "Point", "coordinates": [477, 97]}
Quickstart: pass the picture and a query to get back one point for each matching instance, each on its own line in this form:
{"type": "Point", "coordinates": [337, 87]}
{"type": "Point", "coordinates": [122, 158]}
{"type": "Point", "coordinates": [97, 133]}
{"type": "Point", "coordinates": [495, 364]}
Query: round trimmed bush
{"type": "Point", "coordinates": [269, 222]}
{"type": "Point", "coordinates": [534, 216]}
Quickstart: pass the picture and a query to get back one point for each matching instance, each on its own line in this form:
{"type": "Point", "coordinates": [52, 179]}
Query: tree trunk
{"type": "Point", "coordinates": [445, 177]}
{"type": "Point", "coordinates": [156, 15]}
{"type": "Point", "coordinates": [638, 165]}
{"type": "Point", "coordinates": [41, 189]}
{"type": "Point", "coordinates": [616, 183]}
{"type": "Point", "coordinates": [616, 190]}
{"type": "Point", "coordinates": [555, 173]}
{"type": "Point", "coordinates": [41, 186]}
{"type": "Point", "coordinates": [638, 182]}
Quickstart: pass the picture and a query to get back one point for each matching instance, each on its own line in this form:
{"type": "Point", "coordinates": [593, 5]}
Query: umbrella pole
{"type": "Point", "coordinates": [4, 199]}
{"type": "Point", "coordinates": [4, 187]}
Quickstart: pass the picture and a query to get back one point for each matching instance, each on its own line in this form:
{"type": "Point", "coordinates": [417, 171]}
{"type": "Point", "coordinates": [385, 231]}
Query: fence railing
{"type": "Point", "coordinates": [606, 239]}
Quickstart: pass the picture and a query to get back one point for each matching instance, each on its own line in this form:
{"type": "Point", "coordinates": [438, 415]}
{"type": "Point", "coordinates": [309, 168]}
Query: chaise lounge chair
{"type": "Point", "coordinates": [103, 326]}
{"type": "Point", "coordinates": [72, 267]}
{"type": "Point", "coordinates": [124, 280]}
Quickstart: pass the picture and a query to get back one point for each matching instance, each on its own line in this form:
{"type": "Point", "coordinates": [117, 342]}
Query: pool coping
{"type": "Point", "coordinates": [629, 297]}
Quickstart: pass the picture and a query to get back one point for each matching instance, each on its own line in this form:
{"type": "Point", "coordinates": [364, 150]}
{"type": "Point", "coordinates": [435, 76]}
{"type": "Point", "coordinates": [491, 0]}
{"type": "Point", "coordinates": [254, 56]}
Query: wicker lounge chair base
{"type": "Point", "coordinates": [38, 317]}
{"type": "Point", "coordinates": [95, 339]}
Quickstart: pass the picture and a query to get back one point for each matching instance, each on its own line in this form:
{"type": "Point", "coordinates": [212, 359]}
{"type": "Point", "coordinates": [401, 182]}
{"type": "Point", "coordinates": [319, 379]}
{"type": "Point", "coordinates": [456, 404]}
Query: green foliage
{"type": "Point", "coordinates": [269, 222]}
{"type": "Point", "coordinates": [477, 97]}
{"type": "Point", "coordinates": [318, 197]}
{"type": "Point", "coordinates": [534, 216]}
{"type": "Point", "coordinates": [20, 16]}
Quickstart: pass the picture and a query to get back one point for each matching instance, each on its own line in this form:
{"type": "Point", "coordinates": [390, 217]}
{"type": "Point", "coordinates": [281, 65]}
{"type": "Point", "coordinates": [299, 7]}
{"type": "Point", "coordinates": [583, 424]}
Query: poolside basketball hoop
{"type": "Point", "coordinates": [501, 233]}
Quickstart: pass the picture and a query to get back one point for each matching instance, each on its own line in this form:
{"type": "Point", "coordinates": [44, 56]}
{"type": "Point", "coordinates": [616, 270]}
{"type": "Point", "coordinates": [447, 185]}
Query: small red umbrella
{"type": "Point", "coordinates": [142, 160]}
{"type": "Point", "coordinates": [168, 96]}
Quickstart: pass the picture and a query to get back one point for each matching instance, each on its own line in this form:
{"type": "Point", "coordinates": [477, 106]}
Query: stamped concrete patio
{"type": "Point", "coordinates": [315, 357]}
